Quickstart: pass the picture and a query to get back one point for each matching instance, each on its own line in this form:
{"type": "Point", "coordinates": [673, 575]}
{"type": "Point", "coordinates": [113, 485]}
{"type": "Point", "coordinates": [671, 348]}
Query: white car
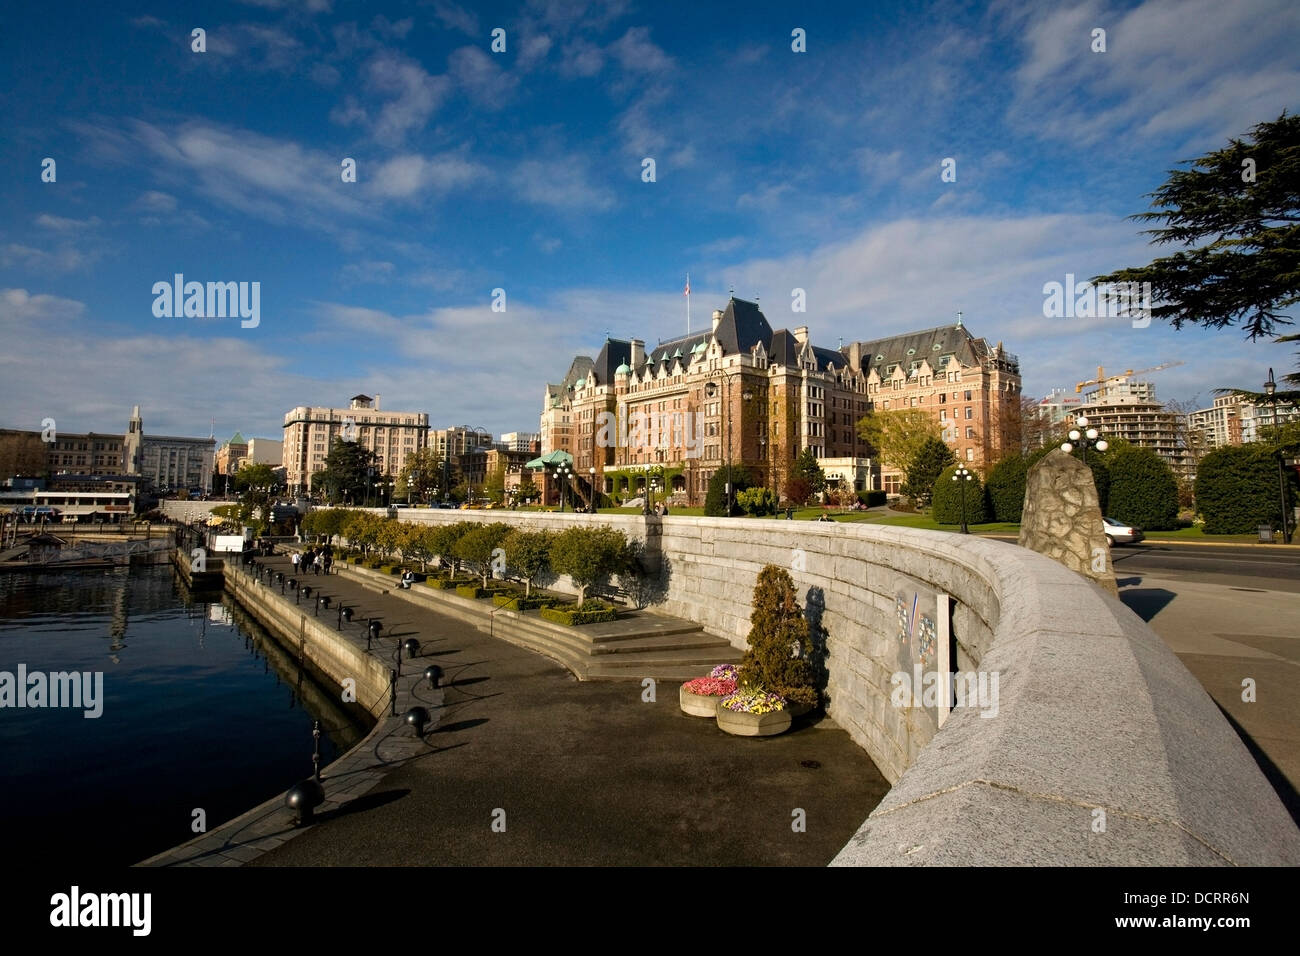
{"type": "Point", "coordinates": [1119, 533]}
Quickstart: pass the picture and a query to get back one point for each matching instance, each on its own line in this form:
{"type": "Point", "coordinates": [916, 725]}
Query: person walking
{"type": "Point", "coordinates": [296, 558]}
{"type": "Point", "coordinates": [328, 561]}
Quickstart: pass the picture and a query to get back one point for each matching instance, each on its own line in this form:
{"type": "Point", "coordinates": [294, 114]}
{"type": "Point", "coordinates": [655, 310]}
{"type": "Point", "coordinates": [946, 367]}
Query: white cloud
{"type": "Point", "coordinates": [404, 176]}
{"type": "Point", "coordinates": [637, 53]}
{"type": "Point", "coordinates": [480, 76]}
{"type": "Point", "coordinates": [1200, 67]}
{"type": "Point", "coordinates": [456, 17]}
{"type": "Point", "coordinates": [415, 95]}
{"type": "Point", "coordinates": [561, 183]}
{"type": "Point", "coordinates": [60, 224]}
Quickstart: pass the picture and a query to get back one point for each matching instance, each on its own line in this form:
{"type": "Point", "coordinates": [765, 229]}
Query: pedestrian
{"type": "Point", "coordinates": [328, 561]}
{"type": "Point", "coordinates": [296, 558]}
{"type": "Point", "coordinates": [315, 564]}
{"type": "Point", "coordinates": [665, 509]}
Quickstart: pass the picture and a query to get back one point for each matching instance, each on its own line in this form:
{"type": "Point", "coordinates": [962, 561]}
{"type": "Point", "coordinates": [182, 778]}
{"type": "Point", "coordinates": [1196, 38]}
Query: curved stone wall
{"type": "Point", "coordinates": [1101, 749]}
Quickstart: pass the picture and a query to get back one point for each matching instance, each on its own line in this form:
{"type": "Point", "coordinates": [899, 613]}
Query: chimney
{"type": "Point", "coordinates": [801, 335]}
{"type": "Point", "coordinates": [638, 355]}
{"type": "Point", "coordinates": [717, 320]}
{"type": "Point", "coordinates": [376, 401]}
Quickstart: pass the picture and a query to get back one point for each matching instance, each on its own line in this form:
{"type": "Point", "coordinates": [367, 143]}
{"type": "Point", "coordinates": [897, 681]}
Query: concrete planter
{"type": "Point", "coordinates": [753, 725]}
{"type": "Point", "coordinates": [697, 705]}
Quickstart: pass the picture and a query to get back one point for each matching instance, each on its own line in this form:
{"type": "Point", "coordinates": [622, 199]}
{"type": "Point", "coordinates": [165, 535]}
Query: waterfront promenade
{"type": "Point", "coordinates": [585, 772]}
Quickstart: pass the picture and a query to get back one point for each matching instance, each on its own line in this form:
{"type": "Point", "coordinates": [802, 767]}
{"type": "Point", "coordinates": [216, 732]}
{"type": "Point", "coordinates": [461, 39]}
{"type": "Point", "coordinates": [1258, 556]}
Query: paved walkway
{"type": "Point", "coordinates": [527, 766]}
{"type": "Point", "coordinates": [1226, 635]}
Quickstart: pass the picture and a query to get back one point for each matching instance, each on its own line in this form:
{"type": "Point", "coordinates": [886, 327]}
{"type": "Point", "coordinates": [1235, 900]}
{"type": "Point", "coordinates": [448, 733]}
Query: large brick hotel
{"type": "Point", "coordinates": [759, 397]}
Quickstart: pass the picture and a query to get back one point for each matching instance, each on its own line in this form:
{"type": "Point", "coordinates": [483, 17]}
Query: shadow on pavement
{"type": "Point", "coordinates": [1146, 603]}
{"type": "Point", "coordinates": [1285, 791]}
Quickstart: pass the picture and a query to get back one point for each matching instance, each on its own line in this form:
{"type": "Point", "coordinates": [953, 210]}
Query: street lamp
{"type": "Point", "coordinates": [1088, 438]}
{"type": "Point", "coordinates": [1270, 389]}
{"type": "Point", "coordinates": [710, 390]}
{"type": "Point", "coordinates": [563, 472]}
{"type": "Point", "coordinates": [961, 476]}
{"type": "Point", "coordinates": [592, 480]}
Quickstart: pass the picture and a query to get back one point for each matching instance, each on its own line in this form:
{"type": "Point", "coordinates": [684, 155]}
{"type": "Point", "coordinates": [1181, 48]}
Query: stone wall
{"type": "Point", "coordinates": [1094, 713]}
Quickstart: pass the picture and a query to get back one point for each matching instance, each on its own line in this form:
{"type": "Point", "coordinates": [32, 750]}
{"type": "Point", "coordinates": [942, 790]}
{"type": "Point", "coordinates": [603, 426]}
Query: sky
{"type": "Point", "coordinates": [524, 170]}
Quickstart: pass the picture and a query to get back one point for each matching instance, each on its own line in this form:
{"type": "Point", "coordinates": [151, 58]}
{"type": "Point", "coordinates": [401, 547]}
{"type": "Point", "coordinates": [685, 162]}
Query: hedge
{"type": "Point", "coordinates": [945, 504]}
{"type": "Point", "coordinates": [519, 602]}
{"type": "Point", "coordinates": [571, 618]}
{"type": "Point", "coordinates": [1237, 490]}
{"type": "Point", "coordinates": [1005, 490]}
{"type": "Point", "coordinates": [1143, 490]}
{"type": "Point", "coordinates": [873, 498]}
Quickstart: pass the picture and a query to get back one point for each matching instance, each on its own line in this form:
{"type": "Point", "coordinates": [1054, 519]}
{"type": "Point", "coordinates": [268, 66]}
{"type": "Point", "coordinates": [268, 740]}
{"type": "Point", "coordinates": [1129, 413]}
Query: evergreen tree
{"type": "Point", "coordinates": [777, 659]}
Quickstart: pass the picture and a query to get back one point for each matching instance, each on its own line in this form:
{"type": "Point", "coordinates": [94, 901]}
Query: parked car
{"type": "Point", "coordinates": [1117, 532]}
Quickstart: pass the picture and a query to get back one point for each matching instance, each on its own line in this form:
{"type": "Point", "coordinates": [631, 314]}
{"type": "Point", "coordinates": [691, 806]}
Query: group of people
{"type": "Point", "coordinates": [313, 561]}
{"type": "Point", "coordinates": [661, 508]}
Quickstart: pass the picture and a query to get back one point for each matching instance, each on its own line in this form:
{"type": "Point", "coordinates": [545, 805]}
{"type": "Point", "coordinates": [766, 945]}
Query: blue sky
{"type": "Point", "coordinates": [522, 170]}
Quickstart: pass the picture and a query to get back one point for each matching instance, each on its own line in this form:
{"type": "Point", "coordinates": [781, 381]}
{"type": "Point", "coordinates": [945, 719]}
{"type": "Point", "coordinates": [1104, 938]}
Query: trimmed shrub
{"type": "Point", "coordinates": [1143, 490]}
{"type": "Point", "coordinates": [1237, 490]}
{"type": "Point", "coordinates": [590, 612]}
{"type": "Point", "coordinates": [517, 602]}
{"type": "Point", "coordinates": [776, 660]}
{"type": "Point", "coordinates": [946, 506]}
{"type": "Point", "coordinates": [1005, 489]}
{"type": "Point", "coordinates": [930, 461]}
{"type": "Point", "coordinates": [873, 499]}
{"type": "Point", "coordinates": [757, 501]}
{"type": "Point", "coordinates": [715, 502]}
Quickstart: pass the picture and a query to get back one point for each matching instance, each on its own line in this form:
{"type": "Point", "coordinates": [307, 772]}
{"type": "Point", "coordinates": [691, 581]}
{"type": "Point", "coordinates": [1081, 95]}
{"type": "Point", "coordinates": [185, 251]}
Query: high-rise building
{"type": "Point", "coordinates": [451, 443]}
{"type": "Point", "coordinates": [522, 441]}
{"type": "Point", "coordinates": [310, 431]}
{"type": "Point", "coordinates": [1128, 410]}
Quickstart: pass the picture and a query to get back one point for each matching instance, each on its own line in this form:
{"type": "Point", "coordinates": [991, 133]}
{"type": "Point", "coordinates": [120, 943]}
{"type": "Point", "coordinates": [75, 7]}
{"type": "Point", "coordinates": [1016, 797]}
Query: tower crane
{"type": "Point", "coordinates": [1102, 379]}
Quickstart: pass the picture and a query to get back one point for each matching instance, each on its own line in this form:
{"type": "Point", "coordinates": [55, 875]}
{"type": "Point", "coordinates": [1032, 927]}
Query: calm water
{"type": "Point", "coordinates": [201, 709]}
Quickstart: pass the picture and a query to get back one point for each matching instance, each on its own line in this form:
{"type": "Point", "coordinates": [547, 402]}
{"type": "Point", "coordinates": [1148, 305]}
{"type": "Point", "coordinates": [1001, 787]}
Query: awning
{"type": "Point", "coordinates": [550, 460]}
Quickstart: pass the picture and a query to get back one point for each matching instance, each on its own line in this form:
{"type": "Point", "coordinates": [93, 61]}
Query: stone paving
{"type": "Point", "coordinates": [525, 765]}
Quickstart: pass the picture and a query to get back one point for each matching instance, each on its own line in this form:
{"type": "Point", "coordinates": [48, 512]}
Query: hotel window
{"type": "Point", "coordinates": [943, 397]}
{"type": "Point", "coordinates": [970, 454]}
{"type": "Point", "coordinates": [970, 432]}
{"type": "Point", "coordinates": [968, 394]}
{"type": "Point", "coordinates": [969, 413]}
{"type": "Point", "coordinates": [943, 414]}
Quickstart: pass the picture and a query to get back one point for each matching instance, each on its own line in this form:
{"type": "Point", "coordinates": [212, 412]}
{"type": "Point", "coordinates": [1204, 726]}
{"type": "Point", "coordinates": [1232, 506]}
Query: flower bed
{"type": "Point", "coordinates": [710, 687]}
{"type": "Point", "coordinates": [570, 616]}
{"type": "Point", "coordinates": [729, 672]}
{"type": "Point", "coordinates": [749, 701]}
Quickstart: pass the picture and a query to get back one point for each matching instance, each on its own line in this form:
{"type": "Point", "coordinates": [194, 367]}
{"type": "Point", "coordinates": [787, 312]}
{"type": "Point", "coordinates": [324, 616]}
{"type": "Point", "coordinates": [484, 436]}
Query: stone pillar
{"type": "Point", "coordinates": [1062, 518]}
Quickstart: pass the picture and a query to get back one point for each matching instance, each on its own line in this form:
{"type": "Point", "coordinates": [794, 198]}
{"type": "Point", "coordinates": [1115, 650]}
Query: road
{"type": "Point", "coordinates": [1232, 616]}
{"type": "Point", "coordinates": [1263, 566]}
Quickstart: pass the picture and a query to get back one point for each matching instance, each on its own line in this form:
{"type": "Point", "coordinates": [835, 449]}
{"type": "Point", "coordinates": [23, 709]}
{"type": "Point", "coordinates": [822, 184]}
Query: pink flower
{"type": "Point", "coordinates": [710, 687]}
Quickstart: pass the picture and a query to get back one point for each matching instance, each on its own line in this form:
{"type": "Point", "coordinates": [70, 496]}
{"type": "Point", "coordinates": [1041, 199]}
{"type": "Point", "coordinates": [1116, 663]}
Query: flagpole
{"type": "Point", "coordinates": [688, 303]}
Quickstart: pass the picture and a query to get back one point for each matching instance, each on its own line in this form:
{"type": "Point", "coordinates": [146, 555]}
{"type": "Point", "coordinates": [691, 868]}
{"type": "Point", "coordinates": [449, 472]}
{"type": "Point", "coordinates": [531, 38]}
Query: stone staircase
{"type": "Point", "coordinates": [639, 644]}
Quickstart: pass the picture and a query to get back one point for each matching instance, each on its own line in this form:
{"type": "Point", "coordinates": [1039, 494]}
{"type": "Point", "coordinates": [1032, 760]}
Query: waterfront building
{"type": "Point", "coordinates": [310, 431]}
{"type": "Point", "coordinates": [1235, 420]}
{"type": "Point", "coordinates": [742, 392]}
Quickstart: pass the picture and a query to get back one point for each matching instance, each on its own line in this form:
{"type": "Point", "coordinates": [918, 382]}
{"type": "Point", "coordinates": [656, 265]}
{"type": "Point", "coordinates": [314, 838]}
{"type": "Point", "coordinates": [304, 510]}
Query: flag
{"type": "Point", "coordinates": [688, 285]}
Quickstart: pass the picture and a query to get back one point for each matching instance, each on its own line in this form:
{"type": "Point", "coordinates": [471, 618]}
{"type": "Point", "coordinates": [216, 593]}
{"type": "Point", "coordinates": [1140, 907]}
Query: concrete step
{"type": "Point", "coordinates": [639, 645]}
{"type": "Point", "coordinates": [646, 627]}
{"type": "Point", "coordinates": [678, 674]}
{"type": "Point", "coordinates": [703, 660]}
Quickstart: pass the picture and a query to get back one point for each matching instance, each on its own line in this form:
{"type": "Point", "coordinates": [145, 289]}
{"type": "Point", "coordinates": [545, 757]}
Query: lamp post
{"type": "Point", "coordinates": [962, 476]}
{"type": "Point", "coordinates": [1270, 389]}
{"type": "Point", "coordinates": [710, 390]}
{"type": "Point", "coordinates": [591, 472]}
{"type": "Point", "coordinates": [1088, 438]}
{"type": "Point", "coordinates": [563, 472]}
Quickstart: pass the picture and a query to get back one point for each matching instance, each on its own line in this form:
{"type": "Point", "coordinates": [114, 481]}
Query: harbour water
{"type": "Point", "coordinates": [202, 715]}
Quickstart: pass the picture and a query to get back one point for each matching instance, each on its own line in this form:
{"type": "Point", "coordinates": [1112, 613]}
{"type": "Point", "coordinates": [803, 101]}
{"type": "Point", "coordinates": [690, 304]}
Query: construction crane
{"type": "Point", "coordinates": [1101, 378]}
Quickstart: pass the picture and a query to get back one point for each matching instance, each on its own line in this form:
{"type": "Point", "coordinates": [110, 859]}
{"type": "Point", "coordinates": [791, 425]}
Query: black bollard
{"type": "Point", "coordinates": [412, 647]}
{"type": "Point", "coordinates": [433, 674]}
{"type": "Point", "coordinates": [417, 717]}
{"type": "Point", "coordinates": [347, 613]}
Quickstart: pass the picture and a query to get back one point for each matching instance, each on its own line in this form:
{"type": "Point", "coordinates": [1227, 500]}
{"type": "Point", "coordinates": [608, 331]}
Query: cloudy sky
{"type": "Point", "coordinates": [524, 170]}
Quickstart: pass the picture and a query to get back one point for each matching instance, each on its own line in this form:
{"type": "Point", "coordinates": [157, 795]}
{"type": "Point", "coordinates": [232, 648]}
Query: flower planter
{"type": "Point", "coordinates": [697, 705]}
{"type": "Point", "coordinates": [744, 724]}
